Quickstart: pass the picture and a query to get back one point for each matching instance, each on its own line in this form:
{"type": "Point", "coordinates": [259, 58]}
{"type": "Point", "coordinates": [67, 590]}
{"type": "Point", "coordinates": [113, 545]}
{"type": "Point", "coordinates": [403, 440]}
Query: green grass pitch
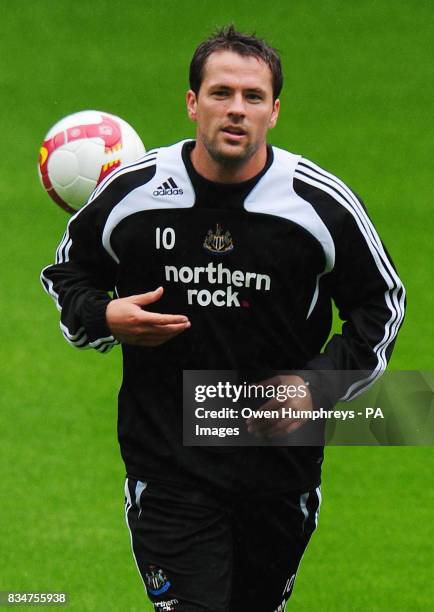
{"type": "Point", "coordinates": [356, 100]}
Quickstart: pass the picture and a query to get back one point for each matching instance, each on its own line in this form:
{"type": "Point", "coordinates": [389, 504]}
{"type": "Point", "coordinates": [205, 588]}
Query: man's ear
{"type": "Point", "coordinates": [191, 101]}
{"type": "Point", "coordinates": [274, 114]}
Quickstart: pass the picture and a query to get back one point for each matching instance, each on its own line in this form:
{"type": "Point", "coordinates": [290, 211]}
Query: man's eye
{"type": "Point", "coordinates": [254, 97]}
{"type": "Point", "coordinates": [220, 93]}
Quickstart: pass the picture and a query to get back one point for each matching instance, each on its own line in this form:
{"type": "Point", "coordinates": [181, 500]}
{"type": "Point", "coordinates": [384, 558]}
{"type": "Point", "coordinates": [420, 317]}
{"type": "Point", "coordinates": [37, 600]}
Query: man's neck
{"type": "Point", "coordinates": [220, 172]}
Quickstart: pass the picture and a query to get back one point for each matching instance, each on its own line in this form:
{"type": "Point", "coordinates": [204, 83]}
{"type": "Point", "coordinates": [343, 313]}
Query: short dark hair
{"type": "Point", "coordinates": [228, 39]}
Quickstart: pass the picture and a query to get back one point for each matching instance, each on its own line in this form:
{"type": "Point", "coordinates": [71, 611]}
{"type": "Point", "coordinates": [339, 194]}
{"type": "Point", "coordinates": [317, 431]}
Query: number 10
{"type": "Point", "coordinates": [165, 238]}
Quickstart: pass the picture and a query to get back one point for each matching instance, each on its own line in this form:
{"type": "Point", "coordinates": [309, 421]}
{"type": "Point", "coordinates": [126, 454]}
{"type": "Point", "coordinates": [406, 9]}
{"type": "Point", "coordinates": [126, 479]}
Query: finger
{"type": "Point", "coordinates": [143, 330]}
{"type": "Point", "coordinates": [157, 318]}
{"type": "Point", "coordinates": [143, 299]}
{"type": "Point", "coordinates": [166, 330]}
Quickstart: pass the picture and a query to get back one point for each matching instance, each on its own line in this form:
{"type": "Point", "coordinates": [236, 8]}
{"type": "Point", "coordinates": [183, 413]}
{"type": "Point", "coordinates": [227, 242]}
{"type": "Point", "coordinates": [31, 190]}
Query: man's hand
{"type": "Point", "coordinates": [271, 428]}
{"type": "Point", "coordinates": [130, 324]}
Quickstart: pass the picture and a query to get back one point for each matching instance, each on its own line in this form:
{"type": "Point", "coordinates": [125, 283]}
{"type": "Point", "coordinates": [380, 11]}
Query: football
{"type": "Point", "coordinates": [80, 150]}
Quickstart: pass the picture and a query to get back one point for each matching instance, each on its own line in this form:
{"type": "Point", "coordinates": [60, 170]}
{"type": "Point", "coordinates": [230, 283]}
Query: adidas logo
{"type": "Point", "coordinates": [169, 187]}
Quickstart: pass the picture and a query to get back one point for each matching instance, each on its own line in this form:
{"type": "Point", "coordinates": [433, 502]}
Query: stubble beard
{"type": "Point", "coordinates": [227, 160]}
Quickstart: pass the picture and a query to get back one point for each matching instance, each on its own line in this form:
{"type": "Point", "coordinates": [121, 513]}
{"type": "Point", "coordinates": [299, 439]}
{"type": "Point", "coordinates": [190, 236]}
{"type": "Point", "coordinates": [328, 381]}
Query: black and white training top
{"type": "Point", "coordinates": [255, 266]}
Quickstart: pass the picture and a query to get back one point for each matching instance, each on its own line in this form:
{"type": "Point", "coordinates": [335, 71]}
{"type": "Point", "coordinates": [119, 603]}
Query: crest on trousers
{"type": "Point", "coordinates": [218, 241]}
{"type": "Point", "coordinates": [156, 580]}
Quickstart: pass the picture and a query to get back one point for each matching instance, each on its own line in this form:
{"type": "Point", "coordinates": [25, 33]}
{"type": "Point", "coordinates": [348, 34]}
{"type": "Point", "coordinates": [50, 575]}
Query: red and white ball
{"type": "Point", "coordinates": [80, 150]}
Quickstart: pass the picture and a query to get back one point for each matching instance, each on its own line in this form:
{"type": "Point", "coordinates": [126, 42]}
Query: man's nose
{"type": "Point", "coordinates": [236, 106]}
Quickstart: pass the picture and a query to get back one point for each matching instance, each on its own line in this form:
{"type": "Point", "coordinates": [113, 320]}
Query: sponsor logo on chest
{"type": "Point", "coordinates": [224, 281]}
{"type": "Point", "coordinates": [216, 275]}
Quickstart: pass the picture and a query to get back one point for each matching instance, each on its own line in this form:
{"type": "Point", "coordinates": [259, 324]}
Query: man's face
{"type": "Point", "coordinates": [234, 108]}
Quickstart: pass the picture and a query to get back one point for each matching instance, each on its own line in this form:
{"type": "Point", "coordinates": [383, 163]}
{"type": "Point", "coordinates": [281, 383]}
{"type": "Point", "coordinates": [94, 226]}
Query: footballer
{"type": "Point", "coordinates": [223, 252]}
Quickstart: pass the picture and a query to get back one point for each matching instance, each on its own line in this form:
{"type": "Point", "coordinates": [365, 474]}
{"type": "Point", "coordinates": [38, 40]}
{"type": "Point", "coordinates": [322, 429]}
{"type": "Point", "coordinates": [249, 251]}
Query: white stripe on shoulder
{"type": "Point", "coordinates": [143, 198]}
{"type": "Point", "coordinates": [274, 195]}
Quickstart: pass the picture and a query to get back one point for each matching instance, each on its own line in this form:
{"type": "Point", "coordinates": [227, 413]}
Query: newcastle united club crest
{"type": "Point", "coordinates": [156, 581]}
{"type": "Point", "coordinates": [218, 241]}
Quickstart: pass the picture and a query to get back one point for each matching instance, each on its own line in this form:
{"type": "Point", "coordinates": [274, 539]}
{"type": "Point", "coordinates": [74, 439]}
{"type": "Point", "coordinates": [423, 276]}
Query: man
{"type": "Point", "coordinates": [247, 244]}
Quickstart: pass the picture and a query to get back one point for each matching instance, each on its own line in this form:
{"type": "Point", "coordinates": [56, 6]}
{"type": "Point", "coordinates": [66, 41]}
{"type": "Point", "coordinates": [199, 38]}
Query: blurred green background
{"type": "Point", "coordinates": [356, 100]}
